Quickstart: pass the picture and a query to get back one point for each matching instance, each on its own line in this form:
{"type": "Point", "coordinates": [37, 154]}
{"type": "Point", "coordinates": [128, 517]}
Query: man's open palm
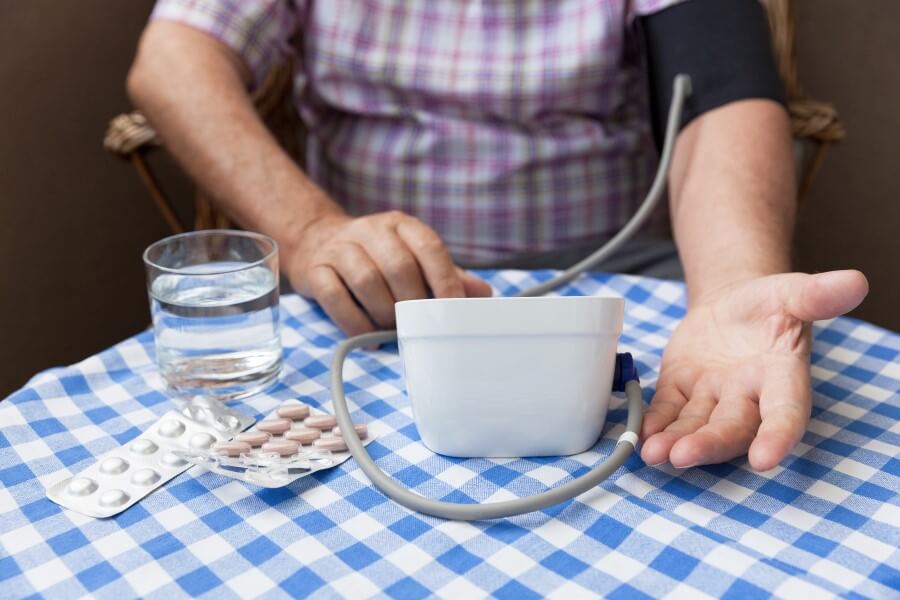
{"type": "Point", "coordinates": [735, 375]}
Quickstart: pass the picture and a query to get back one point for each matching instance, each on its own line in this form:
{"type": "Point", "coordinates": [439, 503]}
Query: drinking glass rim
{"type": "Point", "coordinates": [210, 232]}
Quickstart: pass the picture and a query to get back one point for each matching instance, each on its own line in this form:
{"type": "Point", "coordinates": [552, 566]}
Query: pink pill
{"type": "Point", "coordinates": [303, 435]}
{"type": "Point", "coordinates": [320, 421]}
{"type": "Point", "coordinates": [254, 438]}
{"type": "Point", "coordinates": [231, 448]}
{"type": "Point", "coordinates": [281, 447]}
{"type": "Point", "coordinates": [361, 430]}
{"type": "Point", "coordinates": [274, 426]}
{"type": "Point", "coordinates": [335, 444]}
{"type": "Point", "coordinates": [295, 412]}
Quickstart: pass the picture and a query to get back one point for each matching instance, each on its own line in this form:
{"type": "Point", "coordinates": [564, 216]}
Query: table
{"type": "Point", "coordinates": [826, 521]}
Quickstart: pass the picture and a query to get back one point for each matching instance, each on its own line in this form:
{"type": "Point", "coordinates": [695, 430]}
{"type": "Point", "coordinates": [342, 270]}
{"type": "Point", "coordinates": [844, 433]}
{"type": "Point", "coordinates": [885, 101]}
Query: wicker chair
{"type": "Point", "coordinates": [815, 126]}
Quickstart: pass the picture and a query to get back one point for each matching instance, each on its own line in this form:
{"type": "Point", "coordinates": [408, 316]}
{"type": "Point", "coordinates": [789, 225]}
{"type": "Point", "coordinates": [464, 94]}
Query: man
{"type": "Point", "coordinates": [480, 132]}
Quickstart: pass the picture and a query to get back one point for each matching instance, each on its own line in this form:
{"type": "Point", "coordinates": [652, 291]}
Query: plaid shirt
{"type": "Point", "coordinates": [509, 126]}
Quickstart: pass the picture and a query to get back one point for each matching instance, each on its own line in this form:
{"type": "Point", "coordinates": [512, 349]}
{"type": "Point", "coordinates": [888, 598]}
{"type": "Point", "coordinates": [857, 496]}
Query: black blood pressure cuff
{"type": "Point", "coordinates": [722, 44]}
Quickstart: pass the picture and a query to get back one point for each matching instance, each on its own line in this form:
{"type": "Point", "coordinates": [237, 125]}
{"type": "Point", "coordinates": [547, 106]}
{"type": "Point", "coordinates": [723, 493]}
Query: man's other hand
{"type": "Point", "coordinates": [735, 374]}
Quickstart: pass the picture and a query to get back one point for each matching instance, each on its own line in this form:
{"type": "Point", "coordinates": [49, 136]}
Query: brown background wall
{"type": "Point", "coordinates": [849, 54]}
{"type": "Point", "coordinates": [73, 221]}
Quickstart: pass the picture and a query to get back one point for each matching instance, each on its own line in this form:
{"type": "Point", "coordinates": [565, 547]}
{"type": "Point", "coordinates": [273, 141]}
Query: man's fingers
{"type": "Point", "coordinates": [694, 415]}
{"type": "Point", "coordinates": [730, 429]}
{"type": "Point", "coordinates": [437, 266]}
{"type": "Point", "coordinates": [784, 405]}
{"type": "Point", "coordinates": [399, 266]}
{"type": "Point", "coordinates": [474, 287]}
{"type": "Point", "coordinates": [675, 383]}
{"type": "Point", "coordinates": [824, 295]}
{"type": "Point", "coordinates": [328, 289]}
{"type": "Point", "coordinates": [664, 408]}
{"type": "Point", "coordinates": [362, 276]}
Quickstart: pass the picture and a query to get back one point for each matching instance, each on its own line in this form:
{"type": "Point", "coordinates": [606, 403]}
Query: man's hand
{"type": "Point", "coordinates": [735, 375]}
{"type": "Point", "coordinates": [356, 268]}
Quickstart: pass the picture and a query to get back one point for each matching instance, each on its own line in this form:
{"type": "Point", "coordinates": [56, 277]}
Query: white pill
{"type": "Point", "coordinates": [303, 435]}
{"type": "Point", "coordinates": [229, 422]}
{"type": "Point", "coordinates": [281, 448]}
{"type": "Point", "coordinates": [274, 426]}
{"type": "Point", "coordinates": [170, 428]}
{"type": "Point", "coordinates": [202, 440]}
{"type": "Point", "coordinates": [144, 447]}
{"type": "Point", "coordinates": [144, 477]}
{"type": "Point", "coordinates": [231, 448]}
{"type": "Point", "coordinates": [204, 401]}
{"type": "Point", "coordinates": [320, 421]}
{"type": "Point", "coordinates": [254, 438]}
{"type": "Point", "coordinates": [173, 460]}
{"type": "Point", "coordinates": [82, 486]}
{"type": "Point", "coordinates": [295, 412]}
{"type": "Point", "coordinates": [361, 430]}
{"type": "Point", "coordinates": [113, 498]}
{"type": "Point", "coordinates": [335, 444]}
{"type": "Point", "coordinates": [114, 465]}
{"type": "Point", "coordinates": [195, 413]}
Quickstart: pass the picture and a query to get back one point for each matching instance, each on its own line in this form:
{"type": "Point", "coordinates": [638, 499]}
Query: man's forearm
{"type": "Point", "coordinates": [192, 88]}
{"type": "Point", "coordinates": [732, 194]}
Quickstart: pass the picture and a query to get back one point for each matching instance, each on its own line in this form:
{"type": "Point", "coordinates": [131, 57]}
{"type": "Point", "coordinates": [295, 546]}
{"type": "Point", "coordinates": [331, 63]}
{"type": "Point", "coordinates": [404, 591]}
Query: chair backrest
{"type": "Point", "coordinates": [815, 124]}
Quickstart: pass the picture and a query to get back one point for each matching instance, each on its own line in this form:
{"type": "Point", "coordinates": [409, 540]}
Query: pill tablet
{"type": "Point", "coordinates": [231, 448]}
{"type": "Point", "coordinates": [295, 412]}
{"type": "Point", "coordinates": [114, 465]}
{"type": "Point", "coordinates": [335, 444]}
{"type": "Point", "coordinates": [254, 438]}
{"type": "Point", "coordinates": [144, 477]}
{"type": "Point", "coordinates": [274, 426]}
{"type": "Point", "coordinates": [229, 422]}
{"type": "Point", "coordinates": [361, 430]}
{"type": "Point", "coordinates": [144, 447]}
{"type": "Point", "coordinates": [81, 486]}
{"type": "Point", "coordinates": [170, 428]}
{"type": "Point", "coordinates": [320, 421]}
{"type": "Point", "coordinates": [113, 498]}
{"type": "Point", "coordinates": [204, 401]}
{"type": "Point", "coordinates": [173, 460]}
{"type": "Point", "coordinates": [303, 435]}
{"type": "Point", "coordinates": [281, 447]}
{"type": "Point", "coordinates": [202, 440]}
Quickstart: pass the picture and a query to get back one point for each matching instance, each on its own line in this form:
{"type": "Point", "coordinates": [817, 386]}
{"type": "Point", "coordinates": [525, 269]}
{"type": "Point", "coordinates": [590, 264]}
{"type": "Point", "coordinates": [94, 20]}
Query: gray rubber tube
{"type": "Point", "coordinates": [567, 491]}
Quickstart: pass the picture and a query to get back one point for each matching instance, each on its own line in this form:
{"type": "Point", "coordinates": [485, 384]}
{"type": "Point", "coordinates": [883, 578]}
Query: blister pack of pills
{"type": "Point", "coordinates": [292, 442]}
{"type": "Point", "coordinates": [126, 474]}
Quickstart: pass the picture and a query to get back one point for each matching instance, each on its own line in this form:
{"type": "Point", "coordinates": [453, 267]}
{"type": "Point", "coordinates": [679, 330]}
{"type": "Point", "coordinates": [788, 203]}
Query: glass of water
{"type": "Point", "coordinates": [214, 303]}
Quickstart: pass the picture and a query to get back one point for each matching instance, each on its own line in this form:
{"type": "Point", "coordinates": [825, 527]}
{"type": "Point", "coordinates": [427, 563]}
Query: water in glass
{"type": "Point", "coordinates": [216, 328]}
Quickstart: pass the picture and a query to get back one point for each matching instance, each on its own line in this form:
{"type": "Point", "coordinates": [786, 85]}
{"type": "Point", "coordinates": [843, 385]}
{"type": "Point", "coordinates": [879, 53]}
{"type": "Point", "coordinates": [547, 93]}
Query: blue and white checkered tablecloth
{"type": "Point", "coordinates": [825, 522]}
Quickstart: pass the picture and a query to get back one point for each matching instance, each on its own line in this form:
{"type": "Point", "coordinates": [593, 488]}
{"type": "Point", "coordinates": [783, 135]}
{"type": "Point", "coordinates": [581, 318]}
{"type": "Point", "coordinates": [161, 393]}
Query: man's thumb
{"type": "Point", "coordinates": [824, 295]}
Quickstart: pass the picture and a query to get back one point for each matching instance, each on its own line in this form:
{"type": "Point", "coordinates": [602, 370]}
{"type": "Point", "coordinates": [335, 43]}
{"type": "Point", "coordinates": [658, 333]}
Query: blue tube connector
{"type": "Point", "coordinates": [625, 371]}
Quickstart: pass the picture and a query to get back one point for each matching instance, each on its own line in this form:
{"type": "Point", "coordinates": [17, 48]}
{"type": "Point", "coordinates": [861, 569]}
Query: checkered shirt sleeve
{"type": "Point", "coordinates": [259, 31]}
